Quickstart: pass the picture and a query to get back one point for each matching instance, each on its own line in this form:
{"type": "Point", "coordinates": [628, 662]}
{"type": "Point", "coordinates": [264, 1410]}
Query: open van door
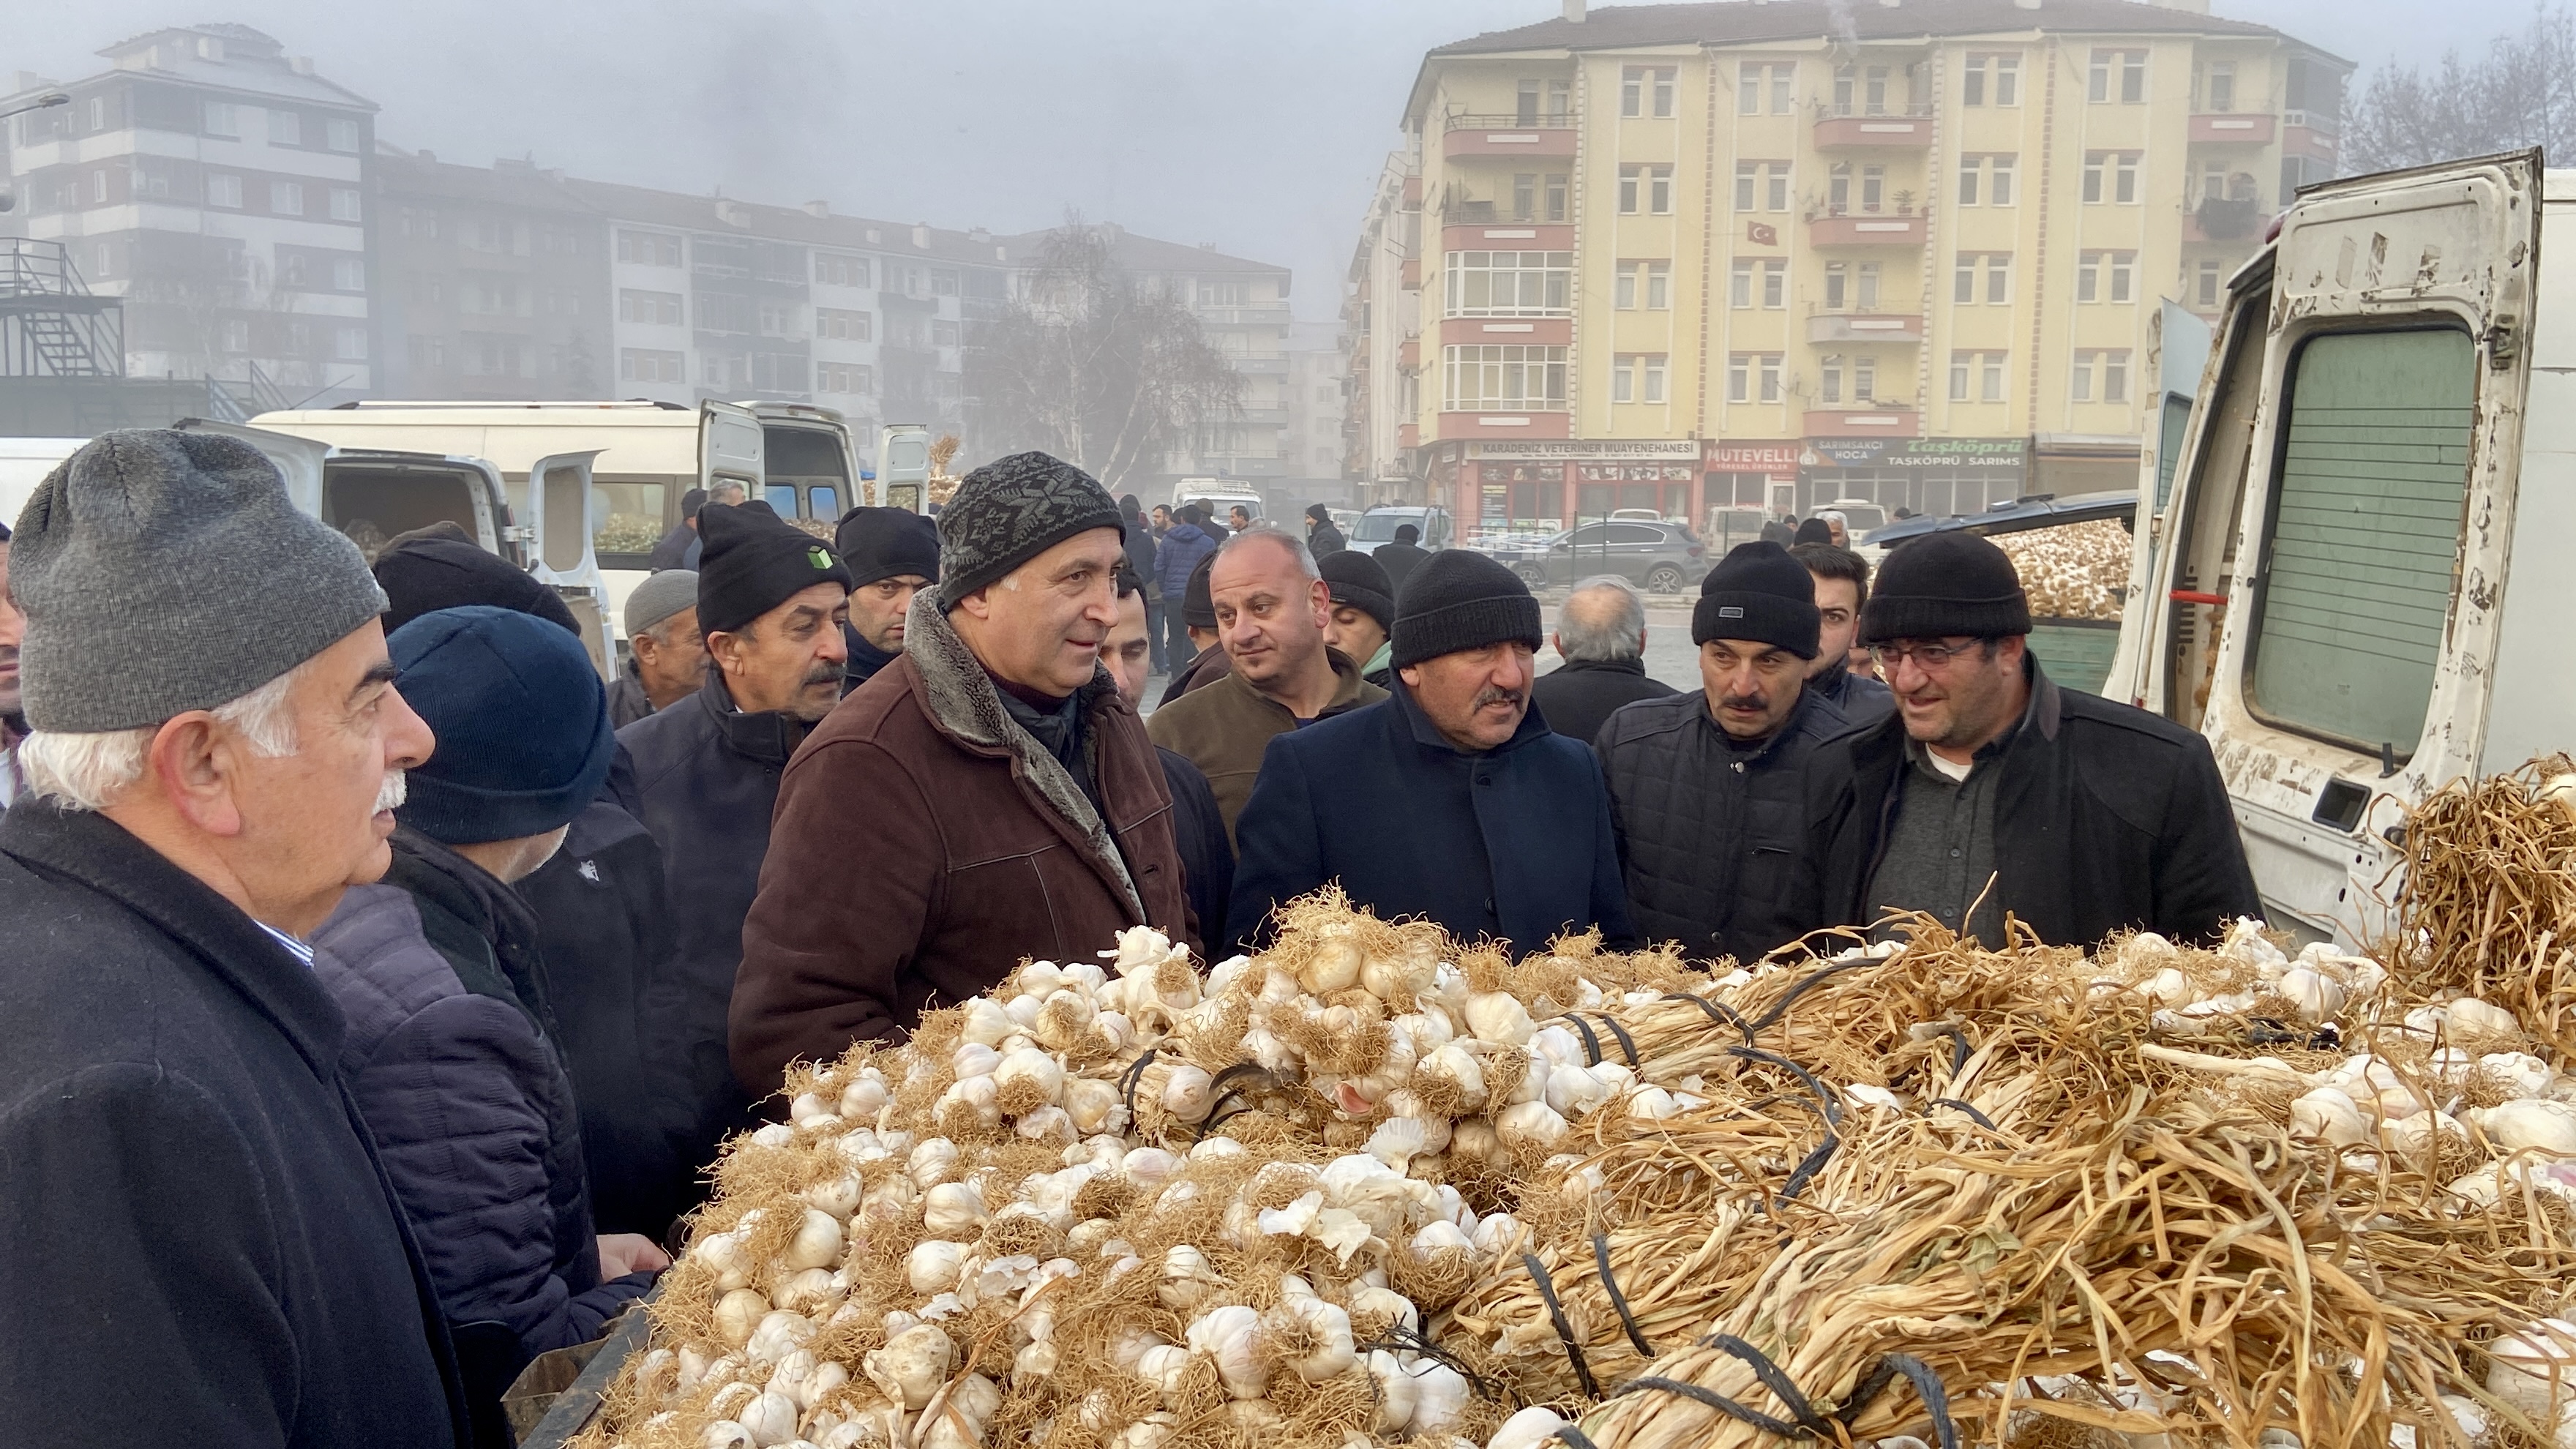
{"type": "Point", "coordinates": [561, 523]}
{"type": "Point", "coordinates": [903, 467]}
{"type": "Point", "coordinates": [729, 446]}
{"type": "Point", "coordinates": [2324, 606]}
{"type": "Point", "coordinates": [300, 460]}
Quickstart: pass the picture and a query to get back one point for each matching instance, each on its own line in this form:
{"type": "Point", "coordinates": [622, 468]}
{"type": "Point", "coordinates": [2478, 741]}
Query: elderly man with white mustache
{"type": "Point", "coordinates": [1451, 799]}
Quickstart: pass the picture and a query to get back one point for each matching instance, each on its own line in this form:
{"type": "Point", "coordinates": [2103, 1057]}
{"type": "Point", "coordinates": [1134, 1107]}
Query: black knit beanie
{"type": "Point", "coordinates": [1457, 600]}
{"type": "Point", "coordinates": [1759, 592]}
{"type": "Point", "coordinates": [1943, 585]}
{"type": "Point", "coordinates": [1814, 530]}
{"type": "Point", "coordinates": [441, 567]}
{"type": "Point", "coordinates": [1198, 600]}
{"type": "Point", "coordinates": [755, 561]}
{"type": "Point", "coordinates": [886, 543]}
{"type": "Point", "coordinates": [1361, 582]}
{"type": "Point", "coordinates": [1011, 510]}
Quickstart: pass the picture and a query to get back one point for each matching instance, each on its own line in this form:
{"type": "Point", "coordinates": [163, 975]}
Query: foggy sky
{"type": "Point", "coordinates": [1258, 125]}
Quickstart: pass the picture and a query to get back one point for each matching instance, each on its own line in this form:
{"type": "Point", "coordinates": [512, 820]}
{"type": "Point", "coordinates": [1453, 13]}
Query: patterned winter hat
{"type": "Point", "coordinates": [1011, 510]}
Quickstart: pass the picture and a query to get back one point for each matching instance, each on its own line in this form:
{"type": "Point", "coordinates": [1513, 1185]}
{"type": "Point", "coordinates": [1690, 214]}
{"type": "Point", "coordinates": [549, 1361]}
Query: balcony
{"type": "Point", "coordinates": [2229, 218]}
{"type": "Point", "coordinates": [2308, 133]}
{"type": "Point", "coordinates": [1413, 191]}
{"type": "Point", "coordinates": [1260, 366]}
{"type": "Point", "coordinates": [1537, 331]}
{"type": "Point", "coordinates": [1408, 436]}
{"type": "Point", "coordinates": [1506, 425]}
{"type": "Point", "coordinates": [1412, 274]}
{"type": "Point", "coordinates": [1494, 234]}
{"type": "Point", "coordinates": [1865, 327]}
{"type": "Point", "coordinates": [1408, 354]}
{"type": "Point", "coordinates": [1866, 229]}
{"type": "Point", "coordinates": [1881, 422]}
{"type": "Point", "coordinates": [1841, 129]}
{"type": "Point", "coordinates": [2237, 129]}
{"type": "Point", "coordinates": [1472, 136]}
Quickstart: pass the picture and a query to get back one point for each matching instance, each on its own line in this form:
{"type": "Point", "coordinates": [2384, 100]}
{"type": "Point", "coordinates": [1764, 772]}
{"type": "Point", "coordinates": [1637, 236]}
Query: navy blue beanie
{"type": "Point", "coordinates": [521, 720]}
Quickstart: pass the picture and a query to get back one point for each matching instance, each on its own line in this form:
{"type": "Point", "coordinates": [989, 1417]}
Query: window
{"type": "Point", "coordinates": [344, 203]}
{"type": "Point", "coordinates": [285, 128]}
{"type": "Point", "coordinates": [1990, 373]}
{"type": "Point", "coordinates": [1739, 283]}
{"type": "Point", "coordinates": [651, 249]}
{"type": "Point", "coordinates": [1972, 169]}
{"type": "Point", "coordinates": [1516, 378]}
{"type": "Point", "coordinates": [2122, 167]}
{"type": "Point", "coordinates": [1753, 376]}
{"type": "Point", "coordinates": [1781, 103]}
{"type": "Point", "coordinates": [1864, 379]}
{"type": "Point", "coordinates": [1663, 90]}
{"type": "Point", "coordinates": [340, 135]}
{"type": "Point", "coordinates": [1509, 284]}
{"type": "Point", "coordinates": [943, 332]}
{"type": "Point", "coordinates": [1556, 197]}
{"type": "Point", "coordinates": [1623, 374]}
{"type": "Point", "coordinates": [1659, 190]}
{"type": "Point", "coordinates": [1642, 86]}
{"type": "Point", "coordinates": [1525, 196]}
{"type": "Point", "coordinates": [1659, 286]}
{"type": "Point", "coordinates": [426, 351]}
{"type": "Point", "coordinates": [2123, 275]}
{"type": "Point", "coordinates": [840, 325]}
{"type": "Point", "coordinates": [653, 309]}
{"type": "Point", "coordinates": [2125, 68]}
{"type": "Point", "coordinates": [1623, 289]}
{"type": "Point", "coordinates": [223, 119]}
{"type": "Point", "coordinates": [286, 198]}
{"type": "Point", "coordinates": [2115, 376]}
{"type": "Point", "coordinates": [98, 185]}
{"type": "Point", "coordinates": [1999, 191]}
{"type": "Point", "coordinates": [349, 274]}
{"type": "Point", "coordinates": [1775, 283]}
{"type": "Point", "coordinates": [1748, 88]}
{"type": "Point", "coordinates": [1829, 379]}
{"type": "Point", "coordinates": [1985, 178]}
{"type": "Point", "coordinates": [1767, 376]}
{"type": "Point", "coordinates": [844, 377]}
{"type": "Point", "coordinates": [1631, 178]}
{"type": "Point", "coordinates": [349, 344]}
{"type": "Point", "coordinates": [2365, 523]}
{"type": "Point", "coordinates": [2008, 80]}
{"type": "Point", "coordinates": [1982, 370]}
{"type": "Point", "coordinates": [223, 190]}
{"type": "Point", "coordinates": [2080, 382]}
{"type": "Point", "coordinates": [1654, 377]}
{"type": "Point", "coordinates": [637, 364]}
{"type": "Point", "coordinates": [2218, 86]}
{"type": "Point", "coordinates": [943, 283]}
{"type": "Point", "coordinates": [1998, 270]}
{"type": "Point", "coordinates": [2205, 286]}
{"type": "Point", "coordinates": [236, 335]}
{"type": "Point", "coordinates": [834, 271]}
{"type": "Point", "coordinates": [1972, 81]}
{"type": "Point", "coordinates": [98, 113]}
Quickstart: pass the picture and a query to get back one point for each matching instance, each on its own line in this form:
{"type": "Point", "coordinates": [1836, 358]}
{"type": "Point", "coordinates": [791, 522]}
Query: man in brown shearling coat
{"type": "Point", "coordinates": [987, 797]}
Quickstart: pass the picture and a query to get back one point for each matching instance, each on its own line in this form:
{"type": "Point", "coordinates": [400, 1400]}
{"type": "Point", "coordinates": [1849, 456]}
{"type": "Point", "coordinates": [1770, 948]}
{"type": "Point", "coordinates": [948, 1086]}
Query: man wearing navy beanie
{"type": "Point", "coordinates": [1705, 786]}
{"type": "Point", "coordinates": [452, 1050]}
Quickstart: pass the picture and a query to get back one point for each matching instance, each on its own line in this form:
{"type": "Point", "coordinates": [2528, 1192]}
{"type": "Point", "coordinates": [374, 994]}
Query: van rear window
{"type": "Point", "coordinates": [2364, 528]}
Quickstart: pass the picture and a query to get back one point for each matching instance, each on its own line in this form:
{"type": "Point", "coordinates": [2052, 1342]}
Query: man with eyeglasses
{"type": "Point", "coordinates": [1992, 791]}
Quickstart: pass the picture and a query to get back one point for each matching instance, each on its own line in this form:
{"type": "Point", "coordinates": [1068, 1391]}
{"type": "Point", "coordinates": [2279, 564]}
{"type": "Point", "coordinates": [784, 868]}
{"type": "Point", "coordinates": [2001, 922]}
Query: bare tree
{"type": "Point", "coordinates": [2521, 93]}
{"type": "Point", "coordinates": [1097, 366]}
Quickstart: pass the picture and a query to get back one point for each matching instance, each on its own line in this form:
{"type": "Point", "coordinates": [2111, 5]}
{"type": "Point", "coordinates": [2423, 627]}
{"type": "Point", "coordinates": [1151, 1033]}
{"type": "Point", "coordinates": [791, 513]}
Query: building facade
{"type": "Point", "coordinates": [1905, 253]}
{"type": "Point", "coordinates": [219, 188]}
{"type": "Point", "coordinates": [491, 283]}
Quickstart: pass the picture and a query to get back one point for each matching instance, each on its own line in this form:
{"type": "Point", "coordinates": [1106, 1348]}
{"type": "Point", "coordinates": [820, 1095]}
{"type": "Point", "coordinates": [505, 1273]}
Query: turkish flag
{"type": "Point", "coordinates": [1761, 234]}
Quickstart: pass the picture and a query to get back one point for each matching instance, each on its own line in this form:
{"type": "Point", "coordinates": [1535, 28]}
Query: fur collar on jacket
{"type": "Point", "coordinates": [962, 701]}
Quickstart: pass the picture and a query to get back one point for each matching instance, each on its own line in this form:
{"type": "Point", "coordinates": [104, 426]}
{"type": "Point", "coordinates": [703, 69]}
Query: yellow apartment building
{"type": "Point", "coordinates": [1776, 253]}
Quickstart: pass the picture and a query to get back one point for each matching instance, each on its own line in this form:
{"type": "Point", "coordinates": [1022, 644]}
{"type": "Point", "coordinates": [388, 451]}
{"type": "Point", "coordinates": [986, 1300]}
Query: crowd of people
{"type": "Point", "coordinates": [381, 983]}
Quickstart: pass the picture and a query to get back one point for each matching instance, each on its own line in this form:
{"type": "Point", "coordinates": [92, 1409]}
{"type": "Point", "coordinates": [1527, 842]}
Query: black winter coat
{"type": "Point", "coordinates": [1198, 832]}
{"type": "Point", "coordinates": [202, 1247]}
{"type": "Point", "coordinates": [1325, 539]}
{"type": "Point", "coordinates": [677, 549]}
{"type": "Point", "coordinates": [705, 783]}
{"type": "Point", "coordinates": [1861, 699]}
{"type": "Point", "coordinates": [604, 925]}
{"type": "Point", "coordinates": [2106, 818]}
{"type": "Point", "coordinates": [865, 660]}
{"type": "Point", "coordinates": [452, 1057]}
{"type": "Point", "coordinates": [1400, 560]}
{"type": "Point", "coordinates": [627, 701]}
{"type": "Point", "coordinates": [1515, 842]}
{"type": "Point", "coordinates": [1581, 694]}
{"type": "Point", "coordinates": [1141, 548]}
{"type": "Point", "coordinates": [1709, 836]}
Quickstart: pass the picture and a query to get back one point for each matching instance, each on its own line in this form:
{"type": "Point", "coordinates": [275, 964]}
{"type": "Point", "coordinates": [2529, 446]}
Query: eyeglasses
{"type": "Point", "coordinates": [1930, 658]}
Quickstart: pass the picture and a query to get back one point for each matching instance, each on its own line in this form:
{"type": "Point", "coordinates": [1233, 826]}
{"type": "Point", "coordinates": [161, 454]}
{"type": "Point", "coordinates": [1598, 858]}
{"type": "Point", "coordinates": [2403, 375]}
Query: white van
{"type": "Point", "coordinates": [24, 463]}
{"type": "Point", "coordinates": [642, 457]}
{"type": "Point", "coordinates": [1219, 496]}
{"type": "Point", "coordinates": [2357, 586]}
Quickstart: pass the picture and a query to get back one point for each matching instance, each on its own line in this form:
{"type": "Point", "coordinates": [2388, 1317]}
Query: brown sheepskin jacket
{"type": "Point", "coordinates": [924, 844]}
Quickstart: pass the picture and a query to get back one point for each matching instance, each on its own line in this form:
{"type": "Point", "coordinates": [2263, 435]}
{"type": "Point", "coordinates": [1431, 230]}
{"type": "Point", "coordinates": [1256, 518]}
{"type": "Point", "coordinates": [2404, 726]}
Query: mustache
{"type": "Point", "coordinates": [1744, 701]}
{"type": "Point", "coordinates": [823, 674]}
{"type": "Point", "coordinates": [390, 794]}
{"type": "Point", "coordinates": [1490, 695]}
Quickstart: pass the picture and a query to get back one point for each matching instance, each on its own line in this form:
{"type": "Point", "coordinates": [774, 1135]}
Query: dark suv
{"type": "Point", "coordinates": [1661, 558]}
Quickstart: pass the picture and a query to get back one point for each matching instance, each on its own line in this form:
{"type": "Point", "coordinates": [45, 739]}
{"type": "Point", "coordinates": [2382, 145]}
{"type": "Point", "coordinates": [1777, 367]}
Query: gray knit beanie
{"type": "Point", "coordinates": [163, 571]}
{"type": "Point", "coordinates": [1011, 510]}
{"type": "Point", "coordinates": [658, 598]}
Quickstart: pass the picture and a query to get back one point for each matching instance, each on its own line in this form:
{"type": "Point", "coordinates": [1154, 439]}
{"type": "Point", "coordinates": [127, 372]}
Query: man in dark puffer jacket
{"type": "Point", "coordinates": [451, 1051]}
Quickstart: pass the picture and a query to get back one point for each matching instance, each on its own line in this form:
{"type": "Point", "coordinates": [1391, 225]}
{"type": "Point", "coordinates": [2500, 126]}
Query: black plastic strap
{"type": "Point", "coordinates": [1789, 998]}
{"type": "Point", "coordinates": [1400, 1339]}
{"type": "Point", "coordinates": [1574, 1438]}
{"type": "Point", "coordinates": [1591, 1043]}
{"type": "Point", "coordinates": [1619, 1300]}
{"type": "Point", "coordinates": [1134, 1076]}
{"type": "Point", "coordinates": [1720, 1402]}
{"type": "Point", "coordinates": [1718, 1011]}
{"type": "Point", "coordinates": [1627, 1043]}
{"type": "Point", "coordinates": [1927, 1387]}
{"type": "Point", "coordinates": [1774, 1378]}
{"type": "Point", "coordinates": [1980, 1118]}
{"type": "Point", "coordinates": [1564, 1330]}
{"type": "Point", "coordinates": [1814, 1163]}
{"type": "Point", "coordinates": [1832, 1107]}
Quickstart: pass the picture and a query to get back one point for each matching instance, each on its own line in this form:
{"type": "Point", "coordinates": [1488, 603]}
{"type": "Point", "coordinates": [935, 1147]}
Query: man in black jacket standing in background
{"type": "Point", "coordinates": [892, 554]}
{"type": "Point", "coordinates": [1601, 636]}
{"type": "Point", "coordinates": [1992, 787]}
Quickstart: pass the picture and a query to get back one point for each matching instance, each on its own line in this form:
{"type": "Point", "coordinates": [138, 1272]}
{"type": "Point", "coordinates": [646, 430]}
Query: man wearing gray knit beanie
{"type": "Point", "coordinates": [987, 797]}
{"type": "Point", "coordinates": [217, 751]}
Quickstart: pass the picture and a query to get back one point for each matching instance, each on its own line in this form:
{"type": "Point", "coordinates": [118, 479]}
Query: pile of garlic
{"type": "Point", "coordinates": [2071, 571]}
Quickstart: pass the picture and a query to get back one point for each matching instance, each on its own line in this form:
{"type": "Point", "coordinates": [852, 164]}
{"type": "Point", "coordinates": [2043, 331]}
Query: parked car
{"type": "Point", "coordinates": [1729, 526]}
{"type": "Point", "coordinates": [1378, 526]}
{"type": "Point", "coordinates": [1859, 514]}
{"type": "Point", "coordinates": [1661, 558]}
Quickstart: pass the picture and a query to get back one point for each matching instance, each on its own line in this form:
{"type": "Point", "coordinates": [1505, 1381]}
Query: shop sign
{"type": "Point", "coordinates": [1751, 457]}
{"type": "Point", "coordinates": [1915, 453]}
{"type": "Point", "coordinates": [1683, 450]}
{"type": "Point", "coordinates": [1633, 472]}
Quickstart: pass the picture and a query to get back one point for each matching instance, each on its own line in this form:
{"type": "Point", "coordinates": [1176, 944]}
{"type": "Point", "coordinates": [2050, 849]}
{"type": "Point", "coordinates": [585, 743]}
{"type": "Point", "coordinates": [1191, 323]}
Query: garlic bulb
{"type": "Point", "coordinates": [912, 1365]}
{"type": "Point", "coordinates": [737, 1314]}
{"type": "Point", "coordinates": [2313, 994]}
{"type": "Point", "coordinates": [1398, 1140]}
{"type": "Point", "coordinates": [2470, 1016]}
{"type": "Point", "coordinates": [931, 1162]}
{"type": "Point", "coordinates": [778, 1334]}
{"type": "Point", "coordinates": [1047, 1123]}
{"type": "Point", "coordinates": [2167, 987]}
{"type": "Point", "coordinates": [2534, 1370]}
{"type": "Point", "coordinates": [1474, 1139]}
{"type": "Point", "coordinates": [723, 1252]}
{"type": "Point", "coordinates": [817, 1243]}
{"type": "Point", "coordinates": [1188, 1278]}
{"type": "Point", "coordinates": [1397, 1308]}
{"type": "Point", "coordinates": [1532, 1428]}
{"type": "Point", "coordinates": [1498, 1016]}
{"type": "Point", "coordinates": [2330, 1116]}
{"type": "Point", "coordinates": [1394, 1392]}
{"type": "Point", "coordinates": [1228, 1335]}
{"type": "Point", "coordinates": [1335, 963]}
{"type": "Point", "coordinates": [2522, 1074]}
{"type": "Point", "coordinates": [1185, 1092]}
{"type": "Point", "coordinates": [1149, 1167]}
{"type": "Point", "coordinates": [2530, 1124]}
{"type": "Point", "coordinates": [1093, 1106]}
{"type": "Point", "coordinates": [1026, 1080]}
{"type": "Point", "coordinates": [1439, 1398]}
{"type": "Point", "coordinates": [810, 1290]}
{"type": "Point", "coordinates": [957, 1420]}
{"type": "Point", "coordinates": [933, 1265]}
{"type": "Point", "coordinates": [864, 1097]}
{"type": "Point", "coordinates": [726, 1434]}
{"type": "Point", "coordinates": [2412, 1136]}
{"type": "Point", "coordinates": [970, 1103]}
{"type": "Point", "coordinates": [769, 1419]}
{"type": "Point", "coordinates": [1148, 1432]}
{"type": "Point", "coordinates": [1531, 1125]}
{"type": "Point", "coordinates": [953, 1209]}
{"type": "Point", "coordinates": [975, 1059]}
{"type": "Point", "coordinates": [838, 1197]}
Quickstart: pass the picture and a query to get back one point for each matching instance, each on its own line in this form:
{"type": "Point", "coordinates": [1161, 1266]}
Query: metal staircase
{"type": "Point", "coordinates": [50, 323]}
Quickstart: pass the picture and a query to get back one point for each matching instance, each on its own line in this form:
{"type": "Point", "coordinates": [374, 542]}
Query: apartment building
{"type": "Point", "coordinates": [1317, 389]}
{"type": "Point", "coordinates": [1381, 332]}
{"type": "Point", "coordinates": [1697, 256]}
{"type": "Point", "coordinates": [490, 283]}
{"type": "Point", "coordinates": [218, 186]}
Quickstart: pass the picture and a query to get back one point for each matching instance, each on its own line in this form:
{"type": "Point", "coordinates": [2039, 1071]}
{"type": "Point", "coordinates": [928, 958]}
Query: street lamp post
{"type": "Point", "coordinates": [9, 198]}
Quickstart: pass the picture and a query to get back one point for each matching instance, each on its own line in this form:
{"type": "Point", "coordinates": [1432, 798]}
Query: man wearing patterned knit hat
{"type": "Point", "coordinates": [1015, 807]}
